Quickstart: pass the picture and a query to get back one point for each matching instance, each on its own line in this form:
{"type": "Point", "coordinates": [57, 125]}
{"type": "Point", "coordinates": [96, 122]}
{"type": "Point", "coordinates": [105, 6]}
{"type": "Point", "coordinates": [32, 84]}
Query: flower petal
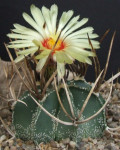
{"type": "Point", "coordinates": [28, 51]}
{"type": "Point", "coordinates": [53, 15]}
{"type": "Point", "coordinates": [79, 57]}
{"type": "Point", "coordinates": [37, 15]}
{"type": "Point", "coordinates": [83, 45]}
{"type": "Point", "coordinates": [69, 25]}
{"type": "Point", "coordinates": [20, 41]}
{"type": "Point", "coordinates": [28, 32]}
{"type": "Point", "coordinates": [79, 51]}
{"type": "Point", "coordinates": [76, 35]}
{"type": "Point", "coordinates": [41, 63]}
{"type": "Point", "coordinates": [33, 24]}
{"type": "Point", "coordinates": [43, 54]}
{"type": "Point", "coordinates": [46, 14]}
{"type": "Point", "coordinates": [20, 27]}
{"type": "Point", "coordinates": [86, 41]}
{"type": "Point", "coordinates": [21, 45]}
{"type": "Point", "coordinates": [84, 31]}
{"type": "Point", "coordinates": [76, 26]}
{"type": "Point", "coordinates": [60, 69]}
{"type": "Point", "coordinates": [62, 57]}
{"type": "Point", "coordinates": [19, 36]}
{"type": "Point", "coordinates": [63, 20]}
{"type": "Point", "coordinates": [19, 58]}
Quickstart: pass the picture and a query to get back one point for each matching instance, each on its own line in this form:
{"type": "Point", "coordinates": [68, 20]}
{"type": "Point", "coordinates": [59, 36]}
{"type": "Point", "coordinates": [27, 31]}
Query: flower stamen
{"type": "Point", "coordinates": [49, 43]}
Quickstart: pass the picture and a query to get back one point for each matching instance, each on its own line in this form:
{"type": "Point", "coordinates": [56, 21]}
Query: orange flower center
{"type": "Point", "coordinates": [49, 43]}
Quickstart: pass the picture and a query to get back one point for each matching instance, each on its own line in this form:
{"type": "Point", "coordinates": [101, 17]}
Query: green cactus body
{"type": "Point", "coordinates": [45, 127]}
{"type": "Point", "coordinates": [22, 116]}
{"type": "Point", "coordinates": [32, 123]}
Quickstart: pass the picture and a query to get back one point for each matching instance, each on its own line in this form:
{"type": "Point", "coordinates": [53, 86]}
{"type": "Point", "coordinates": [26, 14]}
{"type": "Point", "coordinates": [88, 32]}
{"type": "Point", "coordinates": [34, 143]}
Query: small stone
{"type": "Point", "coordinates": [109, 120]}
{"type": "Point", "coordinates": [6, 148]}
{"type": "Point", "coordinates": [101, 143]}
{"type": "Point", "coordinates": [62, 149]}
{"type": "Point", "coordinates": [119, 96]}
{"type": "Point", "coordinates": [11, 142]}
{"type": "Point", "coordinates": [72, 144]}
{"type": "Point", "coordinates": [62, 145]}
{"type": "Point", "coordinates": [95, 141]}
{"type": "Point", "coordinates": [87, 146]}
{"type": "Point", "coordinates": [2, 138]}
{"type": "Point", "coordinates": [115, 98]}
{"type": "Point", "coordinates": [13, 148]}
{"type": "Point", "coordinates": [29, 147]}
{"type": "Point", "coordinates": [18, 140]}
{"type": "Point", "coordinates": [8, 123]}
{"type": "Point", "coordinates": [66, 141]}
{"type": "Point", "coordinates": [113, 125]}
{"type": "Point", "coordinates": [58, 145]}
{"type": "Point", "coordinates": [28, 142]}
{"type": "Point", "coordinates": [110, 147]}
{"type": "Point", "coordinates": [5, 113]}
{"type": "Point", "coordinates": [101, 147]}
{"type": "Point", "coordinates": [53, 144]}
{"type": "Point", "coordinates": [117, 85]}
{"type": "Point", "coordinates": [115, 92]}
{"type": "Point", "coordinates": [90, 139]}
{"type": "Point", "coordinates": [110, 112]}
{"type": "Point", "coordinates": [116, 116]}
{"type": "Point", "coordinates": [81, 144]}
{"type": "Point", "coordinates": [85, 139]}
{"type": "Point", "coordinates": [3, 144]}
{"type": "Point", "coordinates": [91, 146]}
{"type": "Point", "coordinates": [112, 144]}
{"type": "Point", "coordinates": [19, 144]}
{"type": "Point", "coordinates": [82, 148]}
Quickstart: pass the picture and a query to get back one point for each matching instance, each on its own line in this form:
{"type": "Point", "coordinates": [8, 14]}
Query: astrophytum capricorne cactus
{"type": "Point", "coordinates": [32, 123]}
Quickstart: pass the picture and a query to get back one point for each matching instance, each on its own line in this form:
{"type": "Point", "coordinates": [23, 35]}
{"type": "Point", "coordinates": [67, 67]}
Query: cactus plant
{"type": "Point", "coordinates": [56, 49]}
{"type": "Point", "coordinates": [32, 123]}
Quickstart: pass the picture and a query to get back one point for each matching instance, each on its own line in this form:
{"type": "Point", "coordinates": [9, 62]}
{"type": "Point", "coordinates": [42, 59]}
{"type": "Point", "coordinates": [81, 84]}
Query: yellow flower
{"type": "Point", "coordinates": [72, 38]}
